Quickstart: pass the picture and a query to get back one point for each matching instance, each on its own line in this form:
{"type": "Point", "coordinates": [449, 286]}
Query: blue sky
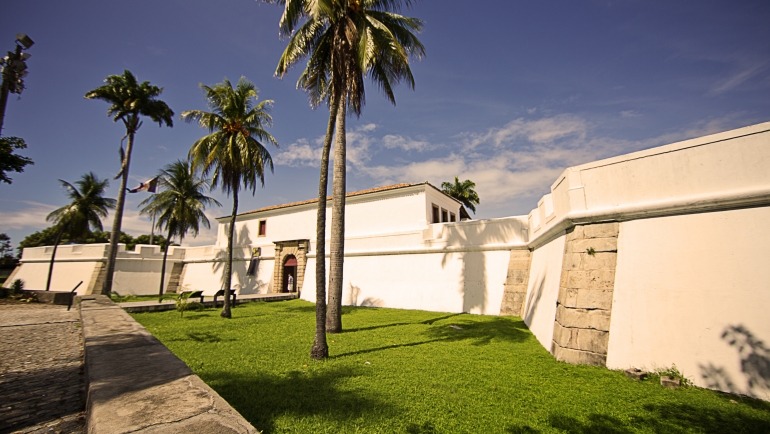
{"type": "Point", "coordinates": [509, 94]}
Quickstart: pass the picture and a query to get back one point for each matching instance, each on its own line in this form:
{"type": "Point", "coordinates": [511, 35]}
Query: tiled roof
{"type": "Point", "coordinates": [328, 198]}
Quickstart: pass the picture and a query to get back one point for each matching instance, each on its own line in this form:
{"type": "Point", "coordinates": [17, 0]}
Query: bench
{"type": "Point", "coordinates": [221, 293]}
{"type": "Point", "coordinates": [193, 294]}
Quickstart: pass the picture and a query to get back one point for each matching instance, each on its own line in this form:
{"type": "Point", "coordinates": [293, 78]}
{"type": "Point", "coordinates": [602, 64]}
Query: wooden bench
{"type": "Point", "coordinates": [193, 294]}
{"type": "Point", "coordinates": [221, 293]}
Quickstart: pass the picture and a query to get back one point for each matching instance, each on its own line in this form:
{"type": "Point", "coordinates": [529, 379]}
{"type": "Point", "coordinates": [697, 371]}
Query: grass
{"type": "Point", "coordinates": [406, 371]}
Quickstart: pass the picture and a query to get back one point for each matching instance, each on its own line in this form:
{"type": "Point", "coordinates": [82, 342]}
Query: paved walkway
{"type": "Point", "coordinates": [41, 369]}
{"type": "Point", "coordinates": [153, 305]}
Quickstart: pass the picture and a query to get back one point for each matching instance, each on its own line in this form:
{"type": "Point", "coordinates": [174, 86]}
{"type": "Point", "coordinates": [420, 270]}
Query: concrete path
{"type": "Point", "coordinates": [153, 305]}
{"type": "Point", "coordinates": [136, 385]}
{"type": "Point", "coordinates": [42, 384]}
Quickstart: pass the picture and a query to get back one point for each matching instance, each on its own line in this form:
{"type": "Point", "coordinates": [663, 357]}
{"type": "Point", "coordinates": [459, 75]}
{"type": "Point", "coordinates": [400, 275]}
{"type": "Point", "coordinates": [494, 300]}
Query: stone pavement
{"type": "Point", "coordinates": [41, 369]}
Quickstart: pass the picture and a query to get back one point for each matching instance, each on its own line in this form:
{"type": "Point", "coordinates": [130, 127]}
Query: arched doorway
{"type": "Point", "coordinates": [289, 274]}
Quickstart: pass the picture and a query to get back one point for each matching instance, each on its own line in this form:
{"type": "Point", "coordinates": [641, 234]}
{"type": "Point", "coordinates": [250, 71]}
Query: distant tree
{"type": "Point", "coordinates": [462, 191]}
{"type": "Point", "coordinates": [179, 206]}
{"type": "Point", "coordinates": [234, 151]}
{"type": "Point", "coordinates": [157, 240]}
{"type": "Point", "coordinates": [85, 212]}
{"type": "Point", "coordinates": [47, 236]}
{"type": "Point", "coordinates": [10, 162]}
{"type": "Point", "coordinates": [128, 100]}
{"type": "Point", "coordinates": [7, 260]}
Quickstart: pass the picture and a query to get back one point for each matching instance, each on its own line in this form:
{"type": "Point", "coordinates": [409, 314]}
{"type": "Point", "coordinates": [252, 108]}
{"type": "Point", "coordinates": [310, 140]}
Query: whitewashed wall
{"type": "Point", "coordinates": [685, 287]}
{"type": "Point", "coordinates": [543, 290]}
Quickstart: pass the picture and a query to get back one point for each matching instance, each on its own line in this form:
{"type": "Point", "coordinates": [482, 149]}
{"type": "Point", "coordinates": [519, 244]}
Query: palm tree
{"type": "Point", "coordinates": [128, 100]}
{"type": "Point", "coordinates": [179, 206]}
{"type": "Point", "coordinates": [84, 213]}
{"type": "Point", "coordinates": [344, 41]}
{"type": "Point", "coordinates": [234, 150]}
{"type": "Point", "coordinates": [462, 191]}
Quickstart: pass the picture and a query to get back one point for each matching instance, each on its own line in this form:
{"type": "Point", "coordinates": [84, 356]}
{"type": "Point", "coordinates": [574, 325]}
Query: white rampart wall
{"type": "Point", "coordinates": [136, 272]}
{"type": "Point", "coordinates": [543, 290]}
{"type": "Point", "coordinates": [694, 290]}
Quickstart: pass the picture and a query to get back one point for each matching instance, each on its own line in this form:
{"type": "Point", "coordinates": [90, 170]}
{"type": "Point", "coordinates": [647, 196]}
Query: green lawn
{"type": "Point", "coordinates": [405, 371]}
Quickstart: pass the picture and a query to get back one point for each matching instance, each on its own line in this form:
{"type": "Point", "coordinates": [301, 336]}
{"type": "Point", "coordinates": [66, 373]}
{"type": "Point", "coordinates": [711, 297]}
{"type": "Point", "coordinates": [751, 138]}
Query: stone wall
{"type": "Point", "coordinates": [299, 249]}
{"type": "Point", "coordinates": [582, 326]}
{"type": "Point", "coordinates": [516, 281]}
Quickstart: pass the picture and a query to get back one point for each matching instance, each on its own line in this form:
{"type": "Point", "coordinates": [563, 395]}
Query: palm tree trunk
{"type": "Point", "coordinates": [337, 245]}
{"type": "Point", "coordinates": [53, 257]}
{"type": "Point", "coordinates": [116, 222]}
{"type": "Point", "coordinates": [320, 348]}
{"type": "Point", "coordinates": [163, 267]}
{"type": "Point", "coordinates": [229, 266]}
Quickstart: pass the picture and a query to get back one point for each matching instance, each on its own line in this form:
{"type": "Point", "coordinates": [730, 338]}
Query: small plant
{"type": "Point", "coordinates": [182, 304]}
{"type": "Point", "coordinates": [17, 287]}
{"type": "Point", "coordinates": [591, 251]}
{"type": "Point", "coordinates": [673, 372]}
{"type": "Point", "coordinates": [117, 298]}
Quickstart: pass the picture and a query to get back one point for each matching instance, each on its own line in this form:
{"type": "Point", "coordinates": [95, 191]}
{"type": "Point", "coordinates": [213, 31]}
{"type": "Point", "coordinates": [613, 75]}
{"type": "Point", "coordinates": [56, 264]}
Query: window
{"type": "Point", "coordinates": [436, 218]}
{"type": "Point", "coordinates": [262, 228]}
{"type": "Point", "coordinates": [444, 215]}
{"type": "Point", "coordinates": [452, 217]}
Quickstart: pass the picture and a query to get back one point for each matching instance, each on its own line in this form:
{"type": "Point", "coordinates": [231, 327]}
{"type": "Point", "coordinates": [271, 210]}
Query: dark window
{"type": "Point", "coordinates": [436, 218]}
{"type": "Point", "coordinates": [262, 228]}
{"type": "Point", "coordinates": [444, 215]}
{"type": "Point", "coordinates": [452, 217]}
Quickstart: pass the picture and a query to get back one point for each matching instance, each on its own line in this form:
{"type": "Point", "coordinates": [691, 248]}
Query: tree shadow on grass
{"type": "Point", "coordinates": [476, 333]}
{"type": "Point", "coordinates": [671, 418]}
{"type": "Point", "coordinates": [507, 329]}
{"type": "Point", "coordinates": [263, 398]}
{"type": "Point", "coordinates": [396, 324]}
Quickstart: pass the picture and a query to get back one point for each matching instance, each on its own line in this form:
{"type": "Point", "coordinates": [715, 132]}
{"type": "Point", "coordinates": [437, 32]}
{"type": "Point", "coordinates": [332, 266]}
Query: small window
{"type": "Point", "coordinates": [436, 218]}
{"type": "Point", "coordinates": [444, 215]}
{"type": "Point", "coordinates": [452, 217]}
{"type": "Point", "coordinates": [262, 228]}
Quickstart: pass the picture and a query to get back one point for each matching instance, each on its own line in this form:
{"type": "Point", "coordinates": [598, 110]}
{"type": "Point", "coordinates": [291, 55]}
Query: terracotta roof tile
{"type": "Point", "coordinates": [351, 194]}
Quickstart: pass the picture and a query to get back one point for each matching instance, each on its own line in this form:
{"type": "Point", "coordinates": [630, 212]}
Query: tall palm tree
{"type": "Point", "coordinates": [84, 213]}
{"type": "Point", "coordinates": [128, 100]}
{"type": "Point", "coordinates": [179, 206]}
{"type": "Point", "coordinates": [344, 41]}
{"type": "Point", "coordinates": [233, 151]}
{"type": "Point", "coordinates": [462, 191]}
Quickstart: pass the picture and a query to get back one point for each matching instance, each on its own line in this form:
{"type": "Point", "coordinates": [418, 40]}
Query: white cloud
{"type": "Point", "coordinates": [392, 141]}
{"type": "Point", "coordinates": [31, 217]}
{"type": "Point", "coordinates": [629, 114]}
{"type": "Point", "coordinates": [737, 79]}
{"type": "Point", "coordinates": [539, 131]}
{"type": "Point", "coordinates": [299, 154]}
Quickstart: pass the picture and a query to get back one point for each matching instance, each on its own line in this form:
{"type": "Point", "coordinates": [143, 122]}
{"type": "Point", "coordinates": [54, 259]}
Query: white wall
{"type": "Point", "coordinates": [682, 282]}
{"type": "Point", "coordinates": [441, 282]}
{"type": "Point", "coordinates": [543, 290]}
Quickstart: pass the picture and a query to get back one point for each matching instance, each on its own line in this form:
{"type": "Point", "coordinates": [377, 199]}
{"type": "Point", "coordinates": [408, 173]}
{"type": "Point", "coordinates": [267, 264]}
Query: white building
{"type": "Point", "coordinates": [645, 260]}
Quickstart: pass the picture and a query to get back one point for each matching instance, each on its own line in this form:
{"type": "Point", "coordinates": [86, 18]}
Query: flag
{"type": "Point", "coordinates": [148, 186]}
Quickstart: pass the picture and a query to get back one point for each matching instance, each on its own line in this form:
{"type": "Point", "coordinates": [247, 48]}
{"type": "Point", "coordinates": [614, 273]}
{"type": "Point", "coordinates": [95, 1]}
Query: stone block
{"type": "Point", "coordinates": [577, 279]}
{"type": "Point", "coordinates": [517, 276]}
{"type": "Point", "coordinates": [598, 261]}
{"type": "Point", "coordinates": [636, 374]}
{"type": "Point", "coordinates": [564, 279]}
{"type": "Point", "coordinates": [563, 336]}
{"type": "Point", "coordinates": [520, 254]}
{"type": "Point", "coordinates": [518, 264]}
{"type": "Point", "coordinates": [577, 357]}
{"type": "Point", "coordinates": [591, 299]}
{"type": "Point", "coordinates": [601, 279]}
{"type": "Point", "coordinates": [568, 297]}
{"type": "Point", "coordinates": [670, 382]}
{"type": "Point", "coordinates": [594, 341]}
{"type": "Point", "coordinates": [596, 319]}
{"type": "Point", "coordinates": [576, 234]}
{"type": "Point", "coordinates": [598, 244]}
{"type": "Point", "coordinates": [601, 230]}
{"type": "Point", "coordinates": [572, 261]}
